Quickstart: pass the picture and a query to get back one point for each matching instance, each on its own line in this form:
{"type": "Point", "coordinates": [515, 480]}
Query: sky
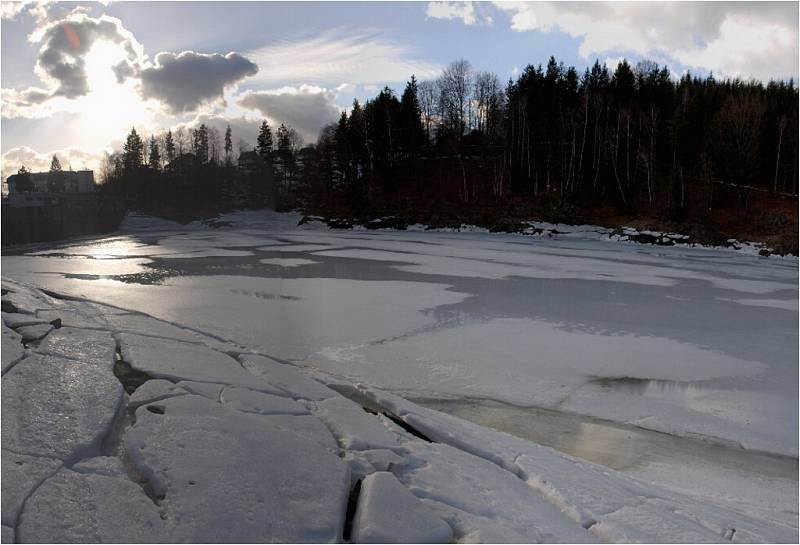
{"type": "Point", "coordinates": [76, 76]}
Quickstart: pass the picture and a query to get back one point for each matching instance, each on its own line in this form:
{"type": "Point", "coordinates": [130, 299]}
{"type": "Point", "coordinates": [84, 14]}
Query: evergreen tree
{"type": "Point", "coordinates": [169, 146]}
{"type": "Point", "coordinates": [55, 180]}
{"type": "Point", "coordinates": [24, 183]}
{"type": "Point", "coordinates": [284, 142]}
{"type": "Point", "coordinates": [132, 152]}
{"type": "Point", "coordinates": [155, 155]}
{"type": "Point", "coordinates": [412, 132]}
{"type": "Point", "coordinates": [228, 145]}
{"type": "Point", "coordinates": [264, 147]}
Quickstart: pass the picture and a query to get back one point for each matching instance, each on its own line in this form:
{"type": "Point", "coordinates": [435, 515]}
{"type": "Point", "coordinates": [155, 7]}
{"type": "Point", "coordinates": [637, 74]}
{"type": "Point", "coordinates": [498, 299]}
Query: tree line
{"type": "Point", "coordinates": [633, 137]}
{"type": "Point", "coordinates": [184, 167]}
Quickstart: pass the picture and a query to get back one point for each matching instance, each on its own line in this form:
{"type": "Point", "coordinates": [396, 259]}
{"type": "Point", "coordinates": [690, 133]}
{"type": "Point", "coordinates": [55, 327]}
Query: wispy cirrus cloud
{"type": "Point", "coordinates": [340, 55]}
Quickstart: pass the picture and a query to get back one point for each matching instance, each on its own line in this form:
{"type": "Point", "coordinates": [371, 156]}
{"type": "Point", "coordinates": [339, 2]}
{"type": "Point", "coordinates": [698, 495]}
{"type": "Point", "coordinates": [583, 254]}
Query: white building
{"type": "Point", "coordinates": [81, 181]}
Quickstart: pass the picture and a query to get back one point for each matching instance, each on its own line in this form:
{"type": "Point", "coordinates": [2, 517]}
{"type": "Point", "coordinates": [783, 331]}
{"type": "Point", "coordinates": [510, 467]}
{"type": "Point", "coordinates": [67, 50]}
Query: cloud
{"type": "Point", "coordinates": [243, 128]}
{"type": "Point", "coordinates": [34, 161]}
{"type": "Point", "coordinates": [185, 81]}
{"type": "Point", "coordinates": [452, 10]}
{"type": "Point", "coordinates": [470, 13]}
{"type": "Point", "coordinates": [746, 39]}
{"type": "Point", "coordinates": [69, 64]}
{"type": "Point", "coordinates": [357, 57]}
{"type": "Point", "coordinates": [36, 9]}
{"type": "Point", "coordinates": [65, 43]}
{"type": "Point", "coordinates": [306, 108]}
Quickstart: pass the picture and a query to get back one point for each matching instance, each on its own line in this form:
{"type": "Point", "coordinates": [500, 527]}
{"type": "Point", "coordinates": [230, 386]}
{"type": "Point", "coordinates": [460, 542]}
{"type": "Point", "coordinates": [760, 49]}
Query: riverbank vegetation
{"type": "Point", "coordinates": [633, 144]}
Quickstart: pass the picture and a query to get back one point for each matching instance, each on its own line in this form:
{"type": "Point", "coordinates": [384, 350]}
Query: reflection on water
{"type": "Point", "coordinates": [648, 386]}
{"type": "Point", "coordinates": [617, 446]}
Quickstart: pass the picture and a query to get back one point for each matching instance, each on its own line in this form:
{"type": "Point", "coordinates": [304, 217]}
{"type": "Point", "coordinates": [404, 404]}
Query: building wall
{"type": "Point", "coordinates": [81, 181]}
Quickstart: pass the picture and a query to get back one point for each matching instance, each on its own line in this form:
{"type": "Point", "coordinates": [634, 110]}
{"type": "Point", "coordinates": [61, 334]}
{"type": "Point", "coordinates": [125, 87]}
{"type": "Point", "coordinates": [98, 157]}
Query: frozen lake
{"type": "Point", "coordinates": [696, 343]}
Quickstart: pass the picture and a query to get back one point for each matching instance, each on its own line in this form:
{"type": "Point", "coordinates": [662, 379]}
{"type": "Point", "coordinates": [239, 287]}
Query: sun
{"type": "Point", "coordinates": [111, 107]}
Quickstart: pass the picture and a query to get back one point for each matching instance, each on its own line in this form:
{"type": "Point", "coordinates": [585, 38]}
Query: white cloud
{"type": "Point", "coordinates": [452, 10]}
{"type": "Point", "coordinates": [65, 43]}
{"type": "Point", "coordinates": [340, 55]}
{"type": "Point", "coordinates": [307, 108]}
{"type": "Point", "coordinates": [470, 13]}
{"type": "Point", "coordinates": [747, 39]}
{"type": "Point", "coordinates": [243, 128]}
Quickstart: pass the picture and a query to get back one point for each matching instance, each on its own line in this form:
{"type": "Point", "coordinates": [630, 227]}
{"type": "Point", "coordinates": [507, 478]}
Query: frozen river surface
{"type": "Point", "coordinates": [697, 343]}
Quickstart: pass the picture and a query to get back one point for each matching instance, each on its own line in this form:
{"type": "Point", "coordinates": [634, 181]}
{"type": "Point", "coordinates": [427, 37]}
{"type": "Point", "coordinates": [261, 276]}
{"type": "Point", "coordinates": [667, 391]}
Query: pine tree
{"type": "Point", "coordinates": [55, 181]}
{"type": "Point", "coordinates": [132, 152]}
{"type": "Point", "coordinates": [23, 183]}
{"type": "Point", "coordinates": [284, 142]}
{"type": "Point", "coordinates": [264, 147]}
{"type": "Point", "coordinates": [169, 146]}
{"type": "Point", "coordinates": [228, 145]}
{"type": "Point", "coordinates": [155, 155]}
{"type": "Point", "coordinates": [412, 132]}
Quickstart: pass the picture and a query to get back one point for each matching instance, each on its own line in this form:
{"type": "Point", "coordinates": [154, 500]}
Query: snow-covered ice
{"type": "Point", "coordinates": [260, 394]}
{"type": "Point", "coordinates": [228, 476]}
{"type": "Point", "coordinates": [57, 407]}
{"type": "Point", "coordinates": [87, 507]}
{"type": "Point", "coordinates": [388, 513]}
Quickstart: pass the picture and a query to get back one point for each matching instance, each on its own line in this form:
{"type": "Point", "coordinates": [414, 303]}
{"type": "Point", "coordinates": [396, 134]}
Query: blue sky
{"type": "Point", "coordinates": [159, 65]}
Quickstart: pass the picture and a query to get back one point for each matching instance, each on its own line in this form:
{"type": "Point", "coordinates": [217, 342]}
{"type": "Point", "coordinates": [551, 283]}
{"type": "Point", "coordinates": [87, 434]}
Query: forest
{"type": "Point", "coordinates": [717, 157]}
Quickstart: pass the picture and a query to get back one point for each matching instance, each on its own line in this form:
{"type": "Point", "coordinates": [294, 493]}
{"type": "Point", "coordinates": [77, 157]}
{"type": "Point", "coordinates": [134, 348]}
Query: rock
{"type": "Point", "coordinates": [286, 377]}
{"type": "Point", "coordinates": [388, 513]}
{"type": "Point", "coordinates": [21, 475]}
{"type": "Point", "coordinates": [229, 476]}
{"type": "Point", "coordinates": [57, 407]}
{"type": "Point", "coordinates": [73, 507]}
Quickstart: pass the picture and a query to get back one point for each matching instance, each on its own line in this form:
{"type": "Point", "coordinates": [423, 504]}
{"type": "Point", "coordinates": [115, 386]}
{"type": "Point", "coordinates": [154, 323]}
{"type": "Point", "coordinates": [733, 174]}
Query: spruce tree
{"type": "Point", "coordinates": [155, 155]}
{"type": "Point", "coordinates": [264, 147]}
{"type": "Point", "coordinates": [55, 181]}
{"type": "Point", "coordinates": [228, 145]}
{"type": "Point", "coordinates": [412, 132]}
{"type": "Point", "coordinates": [132, 152]}
{"type": "Point", "coordinates": [169, 146]}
